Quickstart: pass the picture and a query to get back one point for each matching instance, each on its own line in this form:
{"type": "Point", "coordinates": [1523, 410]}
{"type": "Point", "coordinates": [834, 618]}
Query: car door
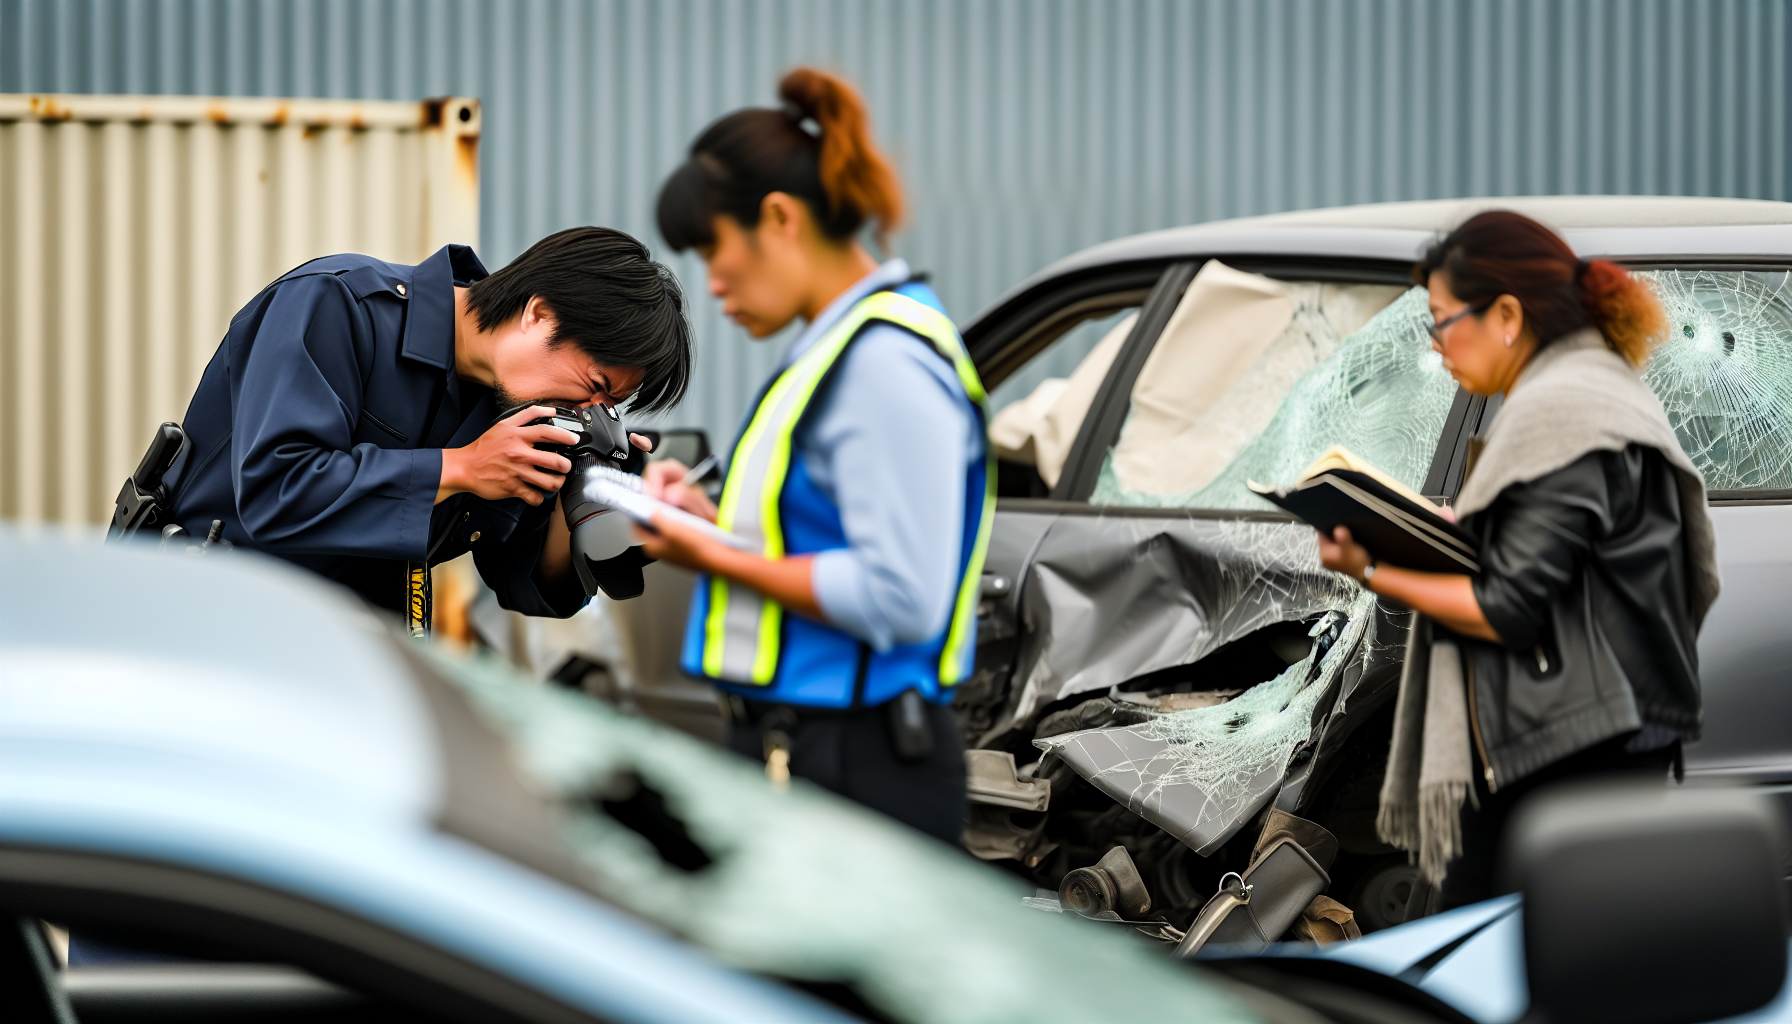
{"type": "Point", "coordinates": [1150, 572]}
{"type": "Point", "coordinates": [1098, 582]}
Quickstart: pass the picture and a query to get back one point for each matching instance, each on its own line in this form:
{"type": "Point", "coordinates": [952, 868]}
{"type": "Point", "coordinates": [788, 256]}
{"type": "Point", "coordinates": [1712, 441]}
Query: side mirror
{"type": "Point", "coordinates": [688, 445]}
{"type": "Point", "coordinates": [1649, 904]}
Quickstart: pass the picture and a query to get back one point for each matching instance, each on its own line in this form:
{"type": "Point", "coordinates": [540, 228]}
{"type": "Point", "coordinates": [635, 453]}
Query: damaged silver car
{"type": "Point", "coordinates": [1172, 698]}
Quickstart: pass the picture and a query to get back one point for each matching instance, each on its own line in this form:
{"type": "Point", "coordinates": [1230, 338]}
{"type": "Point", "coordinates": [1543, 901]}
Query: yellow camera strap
{"type": "Point", "coordinates": [417, 605]}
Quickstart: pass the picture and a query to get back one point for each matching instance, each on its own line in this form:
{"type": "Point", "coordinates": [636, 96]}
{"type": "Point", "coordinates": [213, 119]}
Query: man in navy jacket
{"type": "Point", "coordinates": [346, 422]}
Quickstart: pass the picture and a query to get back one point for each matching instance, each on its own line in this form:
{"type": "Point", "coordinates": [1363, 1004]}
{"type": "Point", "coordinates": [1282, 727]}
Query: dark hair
{"type": "Point", "coordinates": [749, 154]}
{"type": "Point", "coordinates": [1504, 253]}
{"type": "Point", "coordinates": [608, 297]}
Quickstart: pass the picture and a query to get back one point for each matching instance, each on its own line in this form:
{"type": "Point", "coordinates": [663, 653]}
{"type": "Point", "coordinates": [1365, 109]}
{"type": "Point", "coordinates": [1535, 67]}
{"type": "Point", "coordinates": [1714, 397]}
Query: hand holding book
{"type": "Point", "coordinates": [1394, 523]}
{"type": "Point", "coordinates": [1421, 558]}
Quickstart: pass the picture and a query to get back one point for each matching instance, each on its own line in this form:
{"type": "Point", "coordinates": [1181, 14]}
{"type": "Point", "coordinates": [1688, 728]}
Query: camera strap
{"type": "Point", "coordinates": [418, 603]}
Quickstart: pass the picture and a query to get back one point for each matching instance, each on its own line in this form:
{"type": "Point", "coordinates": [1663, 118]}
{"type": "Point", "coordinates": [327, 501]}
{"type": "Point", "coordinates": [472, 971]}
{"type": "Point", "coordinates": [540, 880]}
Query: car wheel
{"type": "Point", "coordinates": [1379, 897]}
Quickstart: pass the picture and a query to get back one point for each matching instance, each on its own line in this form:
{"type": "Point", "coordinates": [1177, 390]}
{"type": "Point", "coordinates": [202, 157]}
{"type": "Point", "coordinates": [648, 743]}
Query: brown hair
{"type": "Point", "coordinates": [1505, 253]}
{"type": "Point", "coordinates": [736, 162]}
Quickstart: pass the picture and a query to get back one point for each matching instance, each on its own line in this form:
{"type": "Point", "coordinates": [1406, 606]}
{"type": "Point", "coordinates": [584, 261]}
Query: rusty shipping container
{"type": "Point", "coordinates": [133, 227]}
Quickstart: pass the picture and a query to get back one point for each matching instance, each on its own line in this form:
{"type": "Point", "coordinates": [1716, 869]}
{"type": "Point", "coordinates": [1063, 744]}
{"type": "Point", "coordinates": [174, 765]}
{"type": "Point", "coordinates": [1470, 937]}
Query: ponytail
{"type": "Point", "coordinates": [835, 169]}
{"type": "Point", "coordinates": [1504, 253]}
{"type": "Point", "coordinates": [1624, 309]}
{"type": "Point", "coordinates": [854, 175]}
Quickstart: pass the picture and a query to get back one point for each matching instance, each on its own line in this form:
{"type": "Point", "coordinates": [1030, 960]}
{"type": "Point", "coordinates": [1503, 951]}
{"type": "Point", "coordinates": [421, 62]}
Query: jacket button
{"type": "Point", "coordinates": [401, 291]}
{"type": "Point", "coordinates": [471, 537]}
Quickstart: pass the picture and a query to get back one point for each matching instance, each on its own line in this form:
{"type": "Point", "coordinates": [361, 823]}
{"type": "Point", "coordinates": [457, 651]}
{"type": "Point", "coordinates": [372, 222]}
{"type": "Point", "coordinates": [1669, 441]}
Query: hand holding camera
{"type": "Point", "coordinates": [504, 462]}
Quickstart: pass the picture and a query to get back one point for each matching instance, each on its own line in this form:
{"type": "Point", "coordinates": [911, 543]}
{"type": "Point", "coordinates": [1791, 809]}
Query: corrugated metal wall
{"type": "Point", "coordinates": [132, 228]}
{"type": "Point", "coordinates": [1025, 128]}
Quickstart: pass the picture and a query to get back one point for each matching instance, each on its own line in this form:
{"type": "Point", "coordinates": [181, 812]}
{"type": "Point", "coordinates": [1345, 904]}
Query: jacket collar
{"type": "Point", "coordinates": [429, 327]}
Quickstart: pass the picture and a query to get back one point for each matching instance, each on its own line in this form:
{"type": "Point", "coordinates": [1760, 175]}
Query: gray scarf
{"type": "Point", "coordinates": [1573, 397]}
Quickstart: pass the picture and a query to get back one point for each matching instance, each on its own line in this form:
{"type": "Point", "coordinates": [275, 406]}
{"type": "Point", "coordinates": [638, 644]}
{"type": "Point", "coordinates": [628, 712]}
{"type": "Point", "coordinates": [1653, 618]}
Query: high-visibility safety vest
{"type": "Point", "coordinates": [747, 643]}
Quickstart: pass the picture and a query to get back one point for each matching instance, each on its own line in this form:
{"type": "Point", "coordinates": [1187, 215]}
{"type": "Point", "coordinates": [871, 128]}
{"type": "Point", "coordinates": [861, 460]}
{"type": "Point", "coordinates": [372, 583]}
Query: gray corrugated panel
{"type": "Point", "coordinates": [1025, 128]}
{"type": "Point", "coordinates": [133, 227]}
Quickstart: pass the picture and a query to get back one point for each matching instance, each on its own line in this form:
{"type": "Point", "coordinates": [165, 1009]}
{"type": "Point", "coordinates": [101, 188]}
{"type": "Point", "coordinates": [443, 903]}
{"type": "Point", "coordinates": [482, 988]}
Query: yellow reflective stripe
{"type": "Point", "coordinates": [939, 329]}
{"type": "Point", "coordinates": [933, 325]}
{"type": "Point", "coordinates": [964, 611]}
{"type": "Point", "coordinates": [715, 630]}
{"type": "Point", "coordinates": [774, 422]}
{"type": "Point", "coordinates": [804, 377]}
{"type": "Point", "coordinates": [713, 627]}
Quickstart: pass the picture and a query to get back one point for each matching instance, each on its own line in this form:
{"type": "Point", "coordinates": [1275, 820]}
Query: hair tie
{"type": "Point", "coordinates": [808, 125]}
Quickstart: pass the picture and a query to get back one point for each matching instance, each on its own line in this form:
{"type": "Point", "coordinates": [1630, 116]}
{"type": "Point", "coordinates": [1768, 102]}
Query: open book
{"type": "Point", "coordinates": [1393, 521]}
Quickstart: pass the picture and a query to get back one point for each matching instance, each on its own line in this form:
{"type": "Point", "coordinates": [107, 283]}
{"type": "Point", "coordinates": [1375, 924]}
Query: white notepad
{"type": "Point", "coordinates": [622, 491]}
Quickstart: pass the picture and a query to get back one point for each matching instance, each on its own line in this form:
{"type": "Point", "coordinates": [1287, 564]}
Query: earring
{"type": "Point", "coordinates": [1508, 341]}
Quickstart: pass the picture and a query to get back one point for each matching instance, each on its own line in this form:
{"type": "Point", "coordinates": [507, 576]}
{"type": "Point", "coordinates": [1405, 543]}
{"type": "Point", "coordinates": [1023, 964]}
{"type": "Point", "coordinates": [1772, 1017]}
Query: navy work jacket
{"type": "Point", "coordinates": [317, 434]}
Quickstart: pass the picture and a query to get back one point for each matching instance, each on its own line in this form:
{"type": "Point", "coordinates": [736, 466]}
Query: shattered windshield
{"type": "Point", "coordinates": [1724, 373]}
{"type": "Point", "coordinates": [1253, 378]}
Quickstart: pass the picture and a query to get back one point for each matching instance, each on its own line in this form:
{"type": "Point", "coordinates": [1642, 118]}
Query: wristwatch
{"type": "Point", "coordinates": [1368, 572]}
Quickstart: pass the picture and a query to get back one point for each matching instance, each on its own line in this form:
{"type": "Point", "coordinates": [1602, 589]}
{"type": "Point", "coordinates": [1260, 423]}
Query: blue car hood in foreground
{"type": "Point", "coordinates": [240, 719]}
{"type": "Point", "coordinates": [236, 717]}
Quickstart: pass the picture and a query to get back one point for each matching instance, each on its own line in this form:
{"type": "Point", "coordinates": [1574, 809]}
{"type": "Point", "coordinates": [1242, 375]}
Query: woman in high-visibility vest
{"type": "Point", "coordinates": [860, 480]}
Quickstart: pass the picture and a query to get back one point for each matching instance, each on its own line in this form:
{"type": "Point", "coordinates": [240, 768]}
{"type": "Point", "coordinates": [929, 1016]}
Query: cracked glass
{"type": "Point", "coordinates": [1346, 365]}
{"type": "Point", "coordinates": [1110, 599]}
{"type": "Point", "coordinates": [1200, 774]}
{"type": "Point", "coordinates": [1724, 373]}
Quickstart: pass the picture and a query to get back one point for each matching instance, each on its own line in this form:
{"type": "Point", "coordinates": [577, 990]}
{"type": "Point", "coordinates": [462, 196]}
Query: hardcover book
{"type": "Point", "coordinates": [1394, 522]}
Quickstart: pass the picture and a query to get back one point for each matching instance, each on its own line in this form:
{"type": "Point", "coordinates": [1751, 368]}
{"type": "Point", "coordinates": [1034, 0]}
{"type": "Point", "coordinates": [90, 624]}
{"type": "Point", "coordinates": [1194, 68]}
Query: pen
{"type": "Point", "coordinates": [700, 470]}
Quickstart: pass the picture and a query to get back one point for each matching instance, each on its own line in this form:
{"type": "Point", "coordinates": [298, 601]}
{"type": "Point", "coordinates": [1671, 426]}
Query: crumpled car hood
{"type": "Point", "coordinates": [1110, 597]}
{"type": "Point", "coordinates": [1200, 774]}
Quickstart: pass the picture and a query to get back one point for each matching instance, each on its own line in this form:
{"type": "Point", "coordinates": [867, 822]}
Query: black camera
{"type": "Point", "coordinates": [603, 544]}
{"type": "Point", "coordinates": [598, 427]}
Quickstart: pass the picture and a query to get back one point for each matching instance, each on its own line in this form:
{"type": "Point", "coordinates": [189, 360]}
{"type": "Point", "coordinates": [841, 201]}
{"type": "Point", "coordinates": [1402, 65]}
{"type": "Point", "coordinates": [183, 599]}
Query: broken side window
{"type": "Point", "coordinates": [1724, 373]}
{"type": "Point", "coordinates": [1038, 409]}
{"type": "Point", "coordinates": [1253, 378]}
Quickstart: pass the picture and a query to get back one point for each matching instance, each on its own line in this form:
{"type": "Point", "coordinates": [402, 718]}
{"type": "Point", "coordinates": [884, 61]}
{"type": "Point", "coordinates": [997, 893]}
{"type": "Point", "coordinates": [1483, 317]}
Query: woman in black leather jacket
{"type": "Point", "coordinates": [1573, 651]}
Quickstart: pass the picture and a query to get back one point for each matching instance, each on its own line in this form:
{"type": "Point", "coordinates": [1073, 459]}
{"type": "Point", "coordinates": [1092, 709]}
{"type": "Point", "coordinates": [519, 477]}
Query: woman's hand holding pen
{"type": "Point", "coordinates": [670, 540]}
{"type": "Point", "coordinates": [669, 481]}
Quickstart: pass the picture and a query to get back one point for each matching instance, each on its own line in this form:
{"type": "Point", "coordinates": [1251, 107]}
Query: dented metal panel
{"type": "Point", "coordinates": [1107, 597]}
{"type": "Point", "coordinates": [133, 227]}
{"type": "Point", "coordinates": [1201, 774]}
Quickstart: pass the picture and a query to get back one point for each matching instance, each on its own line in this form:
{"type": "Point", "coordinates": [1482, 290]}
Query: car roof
{"type": "Point", "coordinates": [1636, 228]}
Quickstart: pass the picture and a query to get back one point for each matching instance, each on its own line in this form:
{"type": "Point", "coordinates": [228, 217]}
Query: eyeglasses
{"type": "Point", "coordinates": [1437, 329]}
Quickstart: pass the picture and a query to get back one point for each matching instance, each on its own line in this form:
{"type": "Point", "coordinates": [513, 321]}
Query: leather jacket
{"type": "Point", "coordinates": [1583, 576]}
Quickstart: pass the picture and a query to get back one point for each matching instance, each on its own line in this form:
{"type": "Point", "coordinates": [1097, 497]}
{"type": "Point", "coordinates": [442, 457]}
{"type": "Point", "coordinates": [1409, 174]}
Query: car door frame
{"type": "Point", "coordinates": [142, 900]}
